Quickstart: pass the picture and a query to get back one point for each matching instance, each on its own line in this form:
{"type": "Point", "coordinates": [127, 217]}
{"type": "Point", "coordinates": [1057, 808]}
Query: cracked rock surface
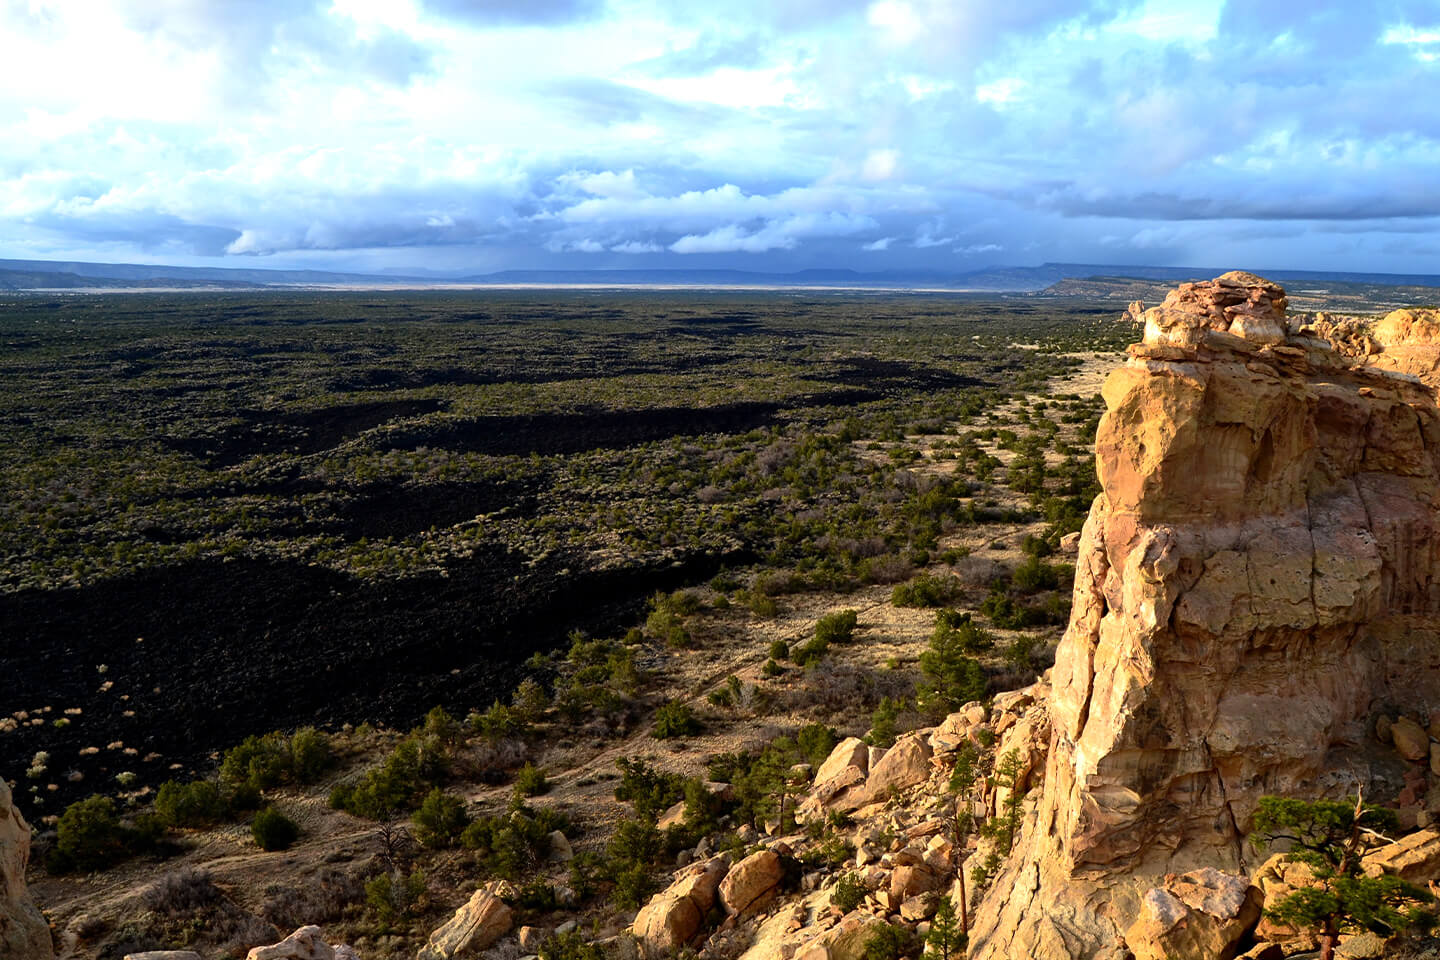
{"type": "Point", "coordinates": [1258, 576]}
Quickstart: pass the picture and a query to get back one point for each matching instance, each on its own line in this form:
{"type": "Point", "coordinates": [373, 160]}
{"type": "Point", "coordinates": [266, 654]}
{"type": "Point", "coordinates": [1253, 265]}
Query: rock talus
{"type": "Point", "coordinates": [24, 934]}
{"type": "Point", "coordinates": [1257, 577]}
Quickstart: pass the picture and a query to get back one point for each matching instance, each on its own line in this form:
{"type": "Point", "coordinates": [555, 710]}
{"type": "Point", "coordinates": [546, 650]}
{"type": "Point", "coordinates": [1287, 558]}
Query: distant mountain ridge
{"type": "Point", "coordinates": [20, 275]}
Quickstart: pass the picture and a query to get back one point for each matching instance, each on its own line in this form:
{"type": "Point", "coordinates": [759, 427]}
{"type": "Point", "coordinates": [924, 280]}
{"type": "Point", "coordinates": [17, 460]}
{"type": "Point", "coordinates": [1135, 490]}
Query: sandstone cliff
{"type": "Point", "coordinates": [1257, 579]}
{"type": "Point", "coordinates": [24, 934]}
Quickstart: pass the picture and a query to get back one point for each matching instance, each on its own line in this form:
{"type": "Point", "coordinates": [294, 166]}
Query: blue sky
{"type": "Point", "coordinates": [464, 136]}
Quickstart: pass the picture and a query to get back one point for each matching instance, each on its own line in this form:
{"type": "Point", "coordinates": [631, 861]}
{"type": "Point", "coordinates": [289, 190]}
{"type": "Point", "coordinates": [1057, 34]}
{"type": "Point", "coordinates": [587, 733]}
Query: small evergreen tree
{"type": "Point", "coordinates": [946, 936]}
{"type": "Point", "coordinates": [1330, 838]}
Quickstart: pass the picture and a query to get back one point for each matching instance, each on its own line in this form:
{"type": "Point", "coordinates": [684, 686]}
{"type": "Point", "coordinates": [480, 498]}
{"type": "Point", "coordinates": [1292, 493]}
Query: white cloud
{"type": "Point", "coordinates": [880, 164]}
{"type": "Point", "coordinates": [875, 245]}
{"type": "Point", "coordinates": [775, 235]}
{"type": "Point", "coordinates": [897, 19]}
{"type": "Point", "coordinates": [1002, 92]}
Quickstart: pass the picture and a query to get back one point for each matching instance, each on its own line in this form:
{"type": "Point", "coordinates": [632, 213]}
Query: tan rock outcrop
{"type": "Point", "coordinates": [483, 919]}
{"type": "Point", "coordinates": [23, 931]}
{"type": "Point", "coordinates": [307, 943]}
{"type": "Point", "coordinates": [906, 764]}
{"type": "Point", "coordinates": [675, 915]}
{"type": "Point", "coordinates": [1258, 576]}
{"type": "Point", "coordinates": [1196, 916]}
{"type": "Point", "coordinates": [1415, 858]}
{"type": "Point", "coordinates": [750, 881]}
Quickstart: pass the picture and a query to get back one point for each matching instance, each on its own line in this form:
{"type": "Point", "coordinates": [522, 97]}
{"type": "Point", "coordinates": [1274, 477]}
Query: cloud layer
{"type": "Point", "coordinates": [469, 136]}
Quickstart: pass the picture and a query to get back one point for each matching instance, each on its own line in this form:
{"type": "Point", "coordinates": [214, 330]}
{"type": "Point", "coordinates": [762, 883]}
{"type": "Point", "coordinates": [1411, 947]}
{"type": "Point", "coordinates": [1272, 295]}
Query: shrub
{"type": "Point", "coordinates": [394, 897]}
{"type": "Point", "coordinates": [837, 627]}
{"type": "Point", "coordinates": [441, 726]}
{"type": "Point", "coordinates": [181, 892]}
{"type": "Point", "coordinates": [498, 722]}
{"type": "Point", "coordinates": [954, 627]}
{"type": "Point", "coordinates": [1035, 575]}
{"type": "Point", "coordinates": [570, 946]}
{"type": "Point", "coordinates": [259, 763]}
{"type": "Point", "coordinates": [675, 719]}
{"type": "Point", "coordinates": [530, 781]}
{"type": "Point", "coordinates": [884, 722]}
{"type": "Point", "coordinates": [890, 942]}
{"type": "Point", "coordinates": [194, 804]}
{"type": "Point", "coordinates": [529, 700]}
{"type": "Point", "coordinates": [440, 820]}
{"type": "Point", "coordinates": [273, 830]}
{"type": "Point", "coordinates": [779, 650]}
{"type": "Point", "coordinates": [510, 846]}
{"type": "Point", "coordinates": [310, 754]}
{"type": "Point", "coordinates": [849, 892]}
{"type": "Point", "coordinates": [398, 783]}
{"type": "Point", "coordinates": [810, 652]}
{"type": "Point", "coordinates": [90, 837]}
{"type": "Point", "coordinates": [925, 590]}
{"type": "Point", "coordinates": [650, 791]}
{"type": "Point", "coordinates": [815, 741]}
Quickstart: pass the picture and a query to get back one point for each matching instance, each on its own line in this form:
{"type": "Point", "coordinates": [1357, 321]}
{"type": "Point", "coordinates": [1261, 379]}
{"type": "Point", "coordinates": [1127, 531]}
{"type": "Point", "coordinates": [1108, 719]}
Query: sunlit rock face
{"type": "Point", "coordinates": [1258, 576]}
{"type": "Point", "coordinates": [23, 931]}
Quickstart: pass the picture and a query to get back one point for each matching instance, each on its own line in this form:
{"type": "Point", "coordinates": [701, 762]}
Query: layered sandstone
{"type": "Point", "coordinates": [1258, 577]}
{"type": "Point", "coordinates": [23, 931]}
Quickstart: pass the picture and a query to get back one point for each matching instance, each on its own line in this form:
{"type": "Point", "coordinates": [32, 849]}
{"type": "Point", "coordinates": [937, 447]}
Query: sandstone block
{"type": "Point", "coordinates": [1411, 740]}
{"type": "Point", "coordinates": [483, 919]}
{"type": "Point", "coordinates": [1415, 858]}
{"type": "Point", "coordinates": [1200, 915]}
{"type": "Point", "coordinates": [906, 764]}
{"type": "Point", "coordinates": [750, 881]}
{"type": "Point", "coordinates": [675, 915]}
{"type": "Point", "coordinates": [307, 943]}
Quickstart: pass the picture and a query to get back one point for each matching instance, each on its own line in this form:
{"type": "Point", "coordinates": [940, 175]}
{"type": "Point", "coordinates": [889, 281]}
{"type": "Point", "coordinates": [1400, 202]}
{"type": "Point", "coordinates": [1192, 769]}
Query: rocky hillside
{"type": "Point", "coordinates": [1256, 614]}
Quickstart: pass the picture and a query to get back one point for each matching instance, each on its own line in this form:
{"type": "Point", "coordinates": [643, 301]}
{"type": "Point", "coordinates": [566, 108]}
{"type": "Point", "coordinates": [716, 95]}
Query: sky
{"type": "Point", "coordinates": [467, 137]}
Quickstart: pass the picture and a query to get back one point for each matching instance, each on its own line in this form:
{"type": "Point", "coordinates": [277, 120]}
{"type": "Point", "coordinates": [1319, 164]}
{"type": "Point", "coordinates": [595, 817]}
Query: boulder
{"type": "Point", "coordinates": [844, 941]}
{"type": "Point", "coordinates": [530, 938]}
{"type": "Point", "coordinates": [1415, 858]}
{"type": "Point", "coordinates": [1277, 878]}
{"type": "Point", "coordinates": [560, 849]}
{"type": "Point", "coordinates": [954, 731]}
{"type": "Point", "coordinates": [483, 919]}
{"type": "Point", "coordinates": [848, 753]}
{"type": "Point", "coordinates": [1360, 946]}
{"type": "Point", "coordinates": [1201, 915]}
{"type": "Point", "coordinates": [910, 880]}
{"type": "Point", "coordinates": [906, 764]}
{"type": "Point", "coordinates": [750, 881]}
{"type": "Point", "coordinates": [307, 943]}
{"type": "Point", "coordinates": [672, 817]}
{"type": "Point", "coordinates": [1411, 740]}
{"type": "Point", "coordinates": [23, 930]}
{"type": "Point", "coordinates": [675, 915]}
